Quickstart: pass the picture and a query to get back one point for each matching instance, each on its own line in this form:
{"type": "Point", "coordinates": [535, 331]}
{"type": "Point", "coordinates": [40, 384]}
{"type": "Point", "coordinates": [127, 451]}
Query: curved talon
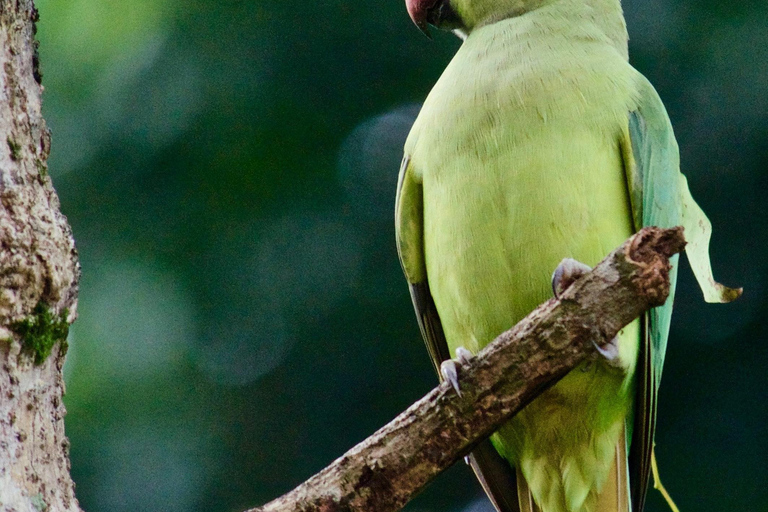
{"type": "Point", "coordinates": [449, 368]}
{"type": "Point", "coordinates": [450, 372]}
{"type": "Point", "coordinates": [463, 356]}
{"type": "Point", "coordinates": [610, 351]}
{"type": "Point", "coordinates": [566, 273]}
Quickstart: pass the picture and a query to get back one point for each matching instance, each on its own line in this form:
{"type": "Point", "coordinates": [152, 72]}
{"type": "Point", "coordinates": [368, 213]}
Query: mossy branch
{"type": "Point", "coordinates": [382, 473]}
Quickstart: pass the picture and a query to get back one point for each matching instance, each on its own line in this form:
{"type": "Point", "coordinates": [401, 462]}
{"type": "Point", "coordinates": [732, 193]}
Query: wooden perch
{"type": "Point", "coordinates": [383, 472]}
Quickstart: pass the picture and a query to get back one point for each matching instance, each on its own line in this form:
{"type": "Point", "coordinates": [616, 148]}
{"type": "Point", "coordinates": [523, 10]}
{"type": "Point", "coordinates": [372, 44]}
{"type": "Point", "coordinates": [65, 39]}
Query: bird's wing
{"type": "Point", "coordinates": [494, 473]}
{"type": "Point", "coordinates": [660, 197]}
{"type": "Point", "coordinates": [409, 231]}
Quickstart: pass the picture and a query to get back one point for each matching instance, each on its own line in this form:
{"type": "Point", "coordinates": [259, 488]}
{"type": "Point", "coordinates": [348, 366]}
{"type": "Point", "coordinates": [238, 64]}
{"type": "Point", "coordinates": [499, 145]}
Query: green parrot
{"type": "Point", "coordinates": [541, 142]}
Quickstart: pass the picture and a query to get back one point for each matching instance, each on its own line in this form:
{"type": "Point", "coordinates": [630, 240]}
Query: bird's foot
{"type": "Point", "coordinates": [566, 273]}
{"type": "Point", "coordinates": [449, 368]}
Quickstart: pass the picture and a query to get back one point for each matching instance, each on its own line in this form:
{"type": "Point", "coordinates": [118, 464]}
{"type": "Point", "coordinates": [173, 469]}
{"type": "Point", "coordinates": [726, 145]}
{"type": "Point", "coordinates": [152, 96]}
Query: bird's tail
{"type": "Point", "coordinates": [524, 496]}
{"type": "Point", "coordinates": [613, 497]}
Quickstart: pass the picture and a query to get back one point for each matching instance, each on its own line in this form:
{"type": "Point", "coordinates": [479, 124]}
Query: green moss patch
{"type": "Point", "coordinates": [41, 331]}
{"type": "Point", "coordinates": [15, 149]}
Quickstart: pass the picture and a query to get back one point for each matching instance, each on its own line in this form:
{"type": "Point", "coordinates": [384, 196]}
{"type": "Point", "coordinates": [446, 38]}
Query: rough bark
{"type": "Point", "coordinates": [383, 472]}
{"type": "Point", "coordinates": [38, 285]}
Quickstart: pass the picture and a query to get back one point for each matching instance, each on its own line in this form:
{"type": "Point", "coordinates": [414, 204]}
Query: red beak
{"type": "Point", "coordinates": [418, 10]}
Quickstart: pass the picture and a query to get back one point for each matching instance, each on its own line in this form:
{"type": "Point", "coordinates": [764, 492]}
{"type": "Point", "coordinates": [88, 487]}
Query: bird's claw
{"type": "Point", "coordinates": [449, 368]}
{"type": "Point", "coordinates": [450, 372]}
{"type": "Point", "coordinates": [463, 355]}
{"type": "Point", "coordinates": [610, 351]}
{"type": "Point", "coordinates": [566, 273]}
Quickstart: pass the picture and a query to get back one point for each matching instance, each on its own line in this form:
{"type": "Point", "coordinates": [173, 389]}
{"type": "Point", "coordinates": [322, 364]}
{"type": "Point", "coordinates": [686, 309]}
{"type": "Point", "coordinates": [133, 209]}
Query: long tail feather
{"type": "Point", "coordinates": [614, 496]}
{"type": "Point", "coordinates": [496, 476]}
{"type": "Point", "coordinates": [524, 496]}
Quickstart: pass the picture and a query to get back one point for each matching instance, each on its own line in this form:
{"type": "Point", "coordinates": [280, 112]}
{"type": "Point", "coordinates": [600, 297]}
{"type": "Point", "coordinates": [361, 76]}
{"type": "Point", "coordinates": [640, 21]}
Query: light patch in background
{"type": "Point", "coordinates": [138, 97]}
{"type": "Point", "coordinates": [369, 159]}
{"type": "Point", "coordinates": [138, 84]}
{"type": "Point", "coordinates": [165, 103]}
{"type": "Point", "coordinates": [95, 31]}
{"type": "Point", "coordinates": [481, 504]}
{"type": "Point", "coordinates": [243, 344]}
{"type": "Point", "coordinates": [149, 469]}
{"type": "Point", "coordinates": [307, 263]}
{"type": "Point", "coordinates": [300, 270]}
{"type": "Point", "coordinates": [135, 320]}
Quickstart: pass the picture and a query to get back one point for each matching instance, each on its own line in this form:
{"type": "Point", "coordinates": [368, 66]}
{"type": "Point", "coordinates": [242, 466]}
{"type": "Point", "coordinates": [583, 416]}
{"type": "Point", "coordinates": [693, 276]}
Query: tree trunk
{"type": "Point", "coordinates": [38, 285]}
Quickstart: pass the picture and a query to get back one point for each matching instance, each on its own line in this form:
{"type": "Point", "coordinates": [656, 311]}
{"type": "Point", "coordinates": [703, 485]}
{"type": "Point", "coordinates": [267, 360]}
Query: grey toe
{"type": "Point", "coordinates": [610, 351]}
{"type": "Point", "coordinates": [450, 372]}
{"type": "Point", "coordinates": [566, 273]}
{"type": "Point", "coordinates": [463, 356]}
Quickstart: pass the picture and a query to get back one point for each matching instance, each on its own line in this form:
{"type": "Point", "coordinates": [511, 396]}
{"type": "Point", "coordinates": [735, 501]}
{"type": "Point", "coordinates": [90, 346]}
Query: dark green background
{"type": "Point", "coordinates": [229, 170]}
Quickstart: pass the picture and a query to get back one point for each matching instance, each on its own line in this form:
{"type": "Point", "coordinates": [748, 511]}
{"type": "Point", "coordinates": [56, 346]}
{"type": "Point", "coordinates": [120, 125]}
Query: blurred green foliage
{"type": "Point", "coordinates": [229, 170]}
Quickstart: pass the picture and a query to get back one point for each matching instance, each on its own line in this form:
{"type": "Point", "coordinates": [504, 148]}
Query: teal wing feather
{"type": "Point", "coordinates": [660, 197]}
{"type": "Point", "coordinates": [494, 473]}
{"type": "Point", "coordinates": [653, 169]}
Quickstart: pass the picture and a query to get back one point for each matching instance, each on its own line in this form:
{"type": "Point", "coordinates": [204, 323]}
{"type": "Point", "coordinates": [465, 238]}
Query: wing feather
{"type": "Point", "coordinates": [652, 165]}
{"type": "Point", "coordinates": [495, 474]}
{"type": "Point", "coordinates": [660, 197]}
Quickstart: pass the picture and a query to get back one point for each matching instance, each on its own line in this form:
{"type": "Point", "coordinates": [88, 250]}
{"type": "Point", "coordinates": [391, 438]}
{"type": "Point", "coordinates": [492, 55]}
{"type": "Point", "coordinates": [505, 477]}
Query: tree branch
{"type": "Point", "coordinates": [383, 472]}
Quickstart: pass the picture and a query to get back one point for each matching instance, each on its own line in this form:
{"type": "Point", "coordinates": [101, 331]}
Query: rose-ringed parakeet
{"type": "Point", "coordinates": [541, 142]}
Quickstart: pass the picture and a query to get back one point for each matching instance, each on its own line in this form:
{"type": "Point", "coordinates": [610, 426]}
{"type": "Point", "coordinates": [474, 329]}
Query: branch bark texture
{"type": "Point", "coordinates": [383, 472]}
{"type": "Point", "coordinates": [38, 285]}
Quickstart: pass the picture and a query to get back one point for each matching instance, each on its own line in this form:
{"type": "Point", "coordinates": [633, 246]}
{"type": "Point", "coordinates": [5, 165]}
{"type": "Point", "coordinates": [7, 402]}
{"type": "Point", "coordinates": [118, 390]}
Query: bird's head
{"type": "Point", "coordinates": [462, 16]}
{"type": "Point", "coordinates": [438, 13]}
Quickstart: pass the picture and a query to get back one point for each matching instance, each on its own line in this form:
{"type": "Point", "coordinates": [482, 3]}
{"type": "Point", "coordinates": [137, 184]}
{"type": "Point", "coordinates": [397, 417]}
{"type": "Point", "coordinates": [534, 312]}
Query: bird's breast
{"type": "Point", "coordinates": [521, 166]}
